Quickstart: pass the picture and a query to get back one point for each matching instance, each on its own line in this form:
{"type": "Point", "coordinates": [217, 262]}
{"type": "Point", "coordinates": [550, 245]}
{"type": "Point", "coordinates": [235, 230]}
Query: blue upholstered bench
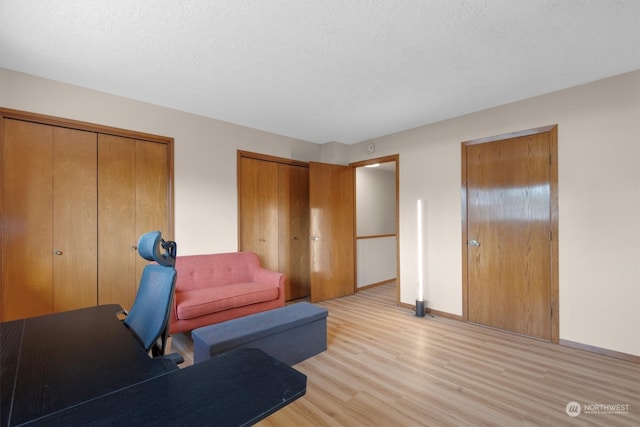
{"type": "Point", "coordinates": [291, 334]}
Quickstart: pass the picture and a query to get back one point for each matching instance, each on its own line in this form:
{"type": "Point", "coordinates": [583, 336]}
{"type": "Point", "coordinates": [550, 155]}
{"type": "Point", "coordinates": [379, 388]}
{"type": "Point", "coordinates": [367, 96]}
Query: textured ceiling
{"type": "Point", "coordinates": [322, 70]}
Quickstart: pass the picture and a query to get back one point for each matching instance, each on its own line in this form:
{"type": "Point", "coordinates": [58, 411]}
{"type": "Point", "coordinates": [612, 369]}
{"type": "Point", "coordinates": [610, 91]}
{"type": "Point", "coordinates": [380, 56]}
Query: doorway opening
{"type": "Point", "coordinates": [376, 219]}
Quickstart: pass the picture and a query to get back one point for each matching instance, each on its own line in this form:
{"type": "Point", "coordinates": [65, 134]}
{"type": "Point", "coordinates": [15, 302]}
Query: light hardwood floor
{"type": "Point", "coordinates": [386, 367]}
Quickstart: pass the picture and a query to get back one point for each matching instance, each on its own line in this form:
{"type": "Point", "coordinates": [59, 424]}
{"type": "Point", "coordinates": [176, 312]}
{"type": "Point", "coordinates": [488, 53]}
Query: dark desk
{"type": "Point", "coordinates": [84, 367]}
{"type": "Point", "coordinates": [238, 388]}
{"type": "Point", "coordinates": [51, 362]}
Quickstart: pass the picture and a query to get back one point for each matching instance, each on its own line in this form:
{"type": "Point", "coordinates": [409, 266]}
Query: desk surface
{"type": "Point", "coordinates": [238, 388]}
{"type": "Point", "coordinates": [84, 367]}
{"type": "Point", "coordinates": [52, 362]}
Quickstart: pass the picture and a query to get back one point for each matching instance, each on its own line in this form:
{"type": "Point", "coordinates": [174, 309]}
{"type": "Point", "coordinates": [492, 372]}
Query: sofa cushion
{"type": "Point", "coordinates": [200, 302]}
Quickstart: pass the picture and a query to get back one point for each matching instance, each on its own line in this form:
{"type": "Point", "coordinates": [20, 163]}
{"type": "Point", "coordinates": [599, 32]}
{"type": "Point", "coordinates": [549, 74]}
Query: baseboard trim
{"type": "Point", "coordinates": [572, 344]}
{"type": "Point", "coordinates": [374, 285]}
{"type": "Point", "coordinates": [599, 350]}
{"type": "Point", "coordinates": [443, 314]}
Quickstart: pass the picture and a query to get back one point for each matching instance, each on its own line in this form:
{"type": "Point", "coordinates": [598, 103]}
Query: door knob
{"type": "Point", "coordinates": [313, 238]}
{"type": "Point", "coordinates": [58, 252]}
{"type": "Point", "coordinates": [474, 243]}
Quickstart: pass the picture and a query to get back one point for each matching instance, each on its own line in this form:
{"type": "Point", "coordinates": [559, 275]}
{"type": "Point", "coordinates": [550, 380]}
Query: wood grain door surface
{"type": "Point", "coordinates": [258, 197]}
{"type": "Point", "coordinates": [74, 198]}
{"type": "Point", "coordinates": [332, 205]}
{"type": "Point", "coordinates": [75, 219]}
{"type": "Point", "coordinates": [116, 230]}
{"type": "Point", "coordinates": [152, 194]}
{"type": "Point", "coordinates": [294, 229]}
{"type": "Point", "coordinates": [27, 216]}
{"type": "Point", "coordinates": [508, 230]}
{"type": "Point", "coordinates": [49, 219]}
{"type": "Point", "coordinates": [133, 184]}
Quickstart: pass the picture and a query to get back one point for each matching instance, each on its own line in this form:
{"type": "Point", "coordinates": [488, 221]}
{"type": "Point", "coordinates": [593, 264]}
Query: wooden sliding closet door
{"type": "Point", "coordinates": [49, 219]}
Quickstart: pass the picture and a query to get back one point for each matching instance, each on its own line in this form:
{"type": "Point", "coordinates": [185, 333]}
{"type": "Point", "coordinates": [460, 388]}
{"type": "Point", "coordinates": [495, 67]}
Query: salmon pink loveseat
{"type": "Point", "coordinates": [218, 287]}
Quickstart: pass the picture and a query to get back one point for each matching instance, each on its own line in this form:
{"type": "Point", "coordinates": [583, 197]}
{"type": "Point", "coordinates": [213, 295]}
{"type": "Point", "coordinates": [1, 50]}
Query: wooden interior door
{"type": "Point", "coordinates": [75, 219]}
{"type": "Point", "coordinates": [27, 219]}
{"type": "Point", "coordinates": [509, 232]}
{"type": "Point", "coordinates": [258, 199]}
{"type": "Point", "coordinates": [332, 210]}
{"type": "Point", "coordinates": [294, 229]}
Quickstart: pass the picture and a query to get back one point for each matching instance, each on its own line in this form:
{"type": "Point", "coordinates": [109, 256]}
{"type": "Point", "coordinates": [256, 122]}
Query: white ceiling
{"type": "Point", "coordinates": [322, 70]}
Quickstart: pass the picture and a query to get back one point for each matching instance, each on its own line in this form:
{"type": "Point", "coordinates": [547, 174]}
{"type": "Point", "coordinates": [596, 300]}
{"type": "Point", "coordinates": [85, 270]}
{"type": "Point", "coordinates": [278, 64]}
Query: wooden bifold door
{"type": "Point", "coordinates": [49, 219]}
{"type": "Point", "coordinates": [273, 196]}
{"type": "Point", "coordinates": [73, 203]}
{"type": "Point", "coordinates": [299, 218]}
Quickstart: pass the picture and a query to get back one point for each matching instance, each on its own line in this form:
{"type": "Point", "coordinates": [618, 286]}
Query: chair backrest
{"type": "Point", "coordinates": [148, 318]}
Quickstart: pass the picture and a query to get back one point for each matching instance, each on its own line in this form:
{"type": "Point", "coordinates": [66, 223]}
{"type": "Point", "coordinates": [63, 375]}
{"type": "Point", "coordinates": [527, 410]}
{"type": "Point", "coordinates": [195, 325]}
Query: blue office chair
{"type": "Point", "coordinates": [148, 318]}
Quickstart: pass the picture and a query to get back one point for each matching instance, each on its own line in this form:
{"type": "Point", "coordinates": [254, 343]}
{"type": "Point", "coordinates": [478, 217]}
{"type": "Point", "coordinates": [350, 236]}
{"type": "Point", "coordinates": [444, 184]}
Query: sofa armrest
{"type": "Point", "coordinates": [262, 275]}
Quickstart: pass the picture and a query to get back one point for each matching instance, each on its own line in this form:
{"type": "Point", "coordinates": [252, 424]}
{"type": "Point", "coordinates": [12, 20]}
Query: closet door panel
{"type": "Point", "coordinates": [133, 187]}
{"type": "Point", "coordinates": [294, 229]}
{"type": "Point", "coordinates": [259, 210]}
{"type": "Point", "coordinates": [117, 238]}
{"type": "Point", "coordinates": [75, 219]}
{"type": "Point", "coordinates": [152, 193]}
{"type": "Point", "coordinates": [27, 238]}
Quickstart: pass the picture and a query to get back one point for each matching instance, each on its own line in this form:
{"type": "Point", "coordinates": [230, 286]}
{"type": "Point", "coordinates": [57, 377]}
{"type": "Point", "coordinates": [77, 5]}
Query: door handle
{"type": "Point", "coordinates": [474, 243]}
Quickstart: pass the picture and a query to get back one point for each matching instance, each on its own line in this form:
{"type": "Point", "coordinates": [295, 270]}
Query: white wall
{"type": "Point", "coordinates": [375, 260]}
{"type": "Point", "coordinates": [599, 204]}
{"type": "Point", "coordinates": [375, 201]}
{"type": "Point", "coordinates": [205, 151]}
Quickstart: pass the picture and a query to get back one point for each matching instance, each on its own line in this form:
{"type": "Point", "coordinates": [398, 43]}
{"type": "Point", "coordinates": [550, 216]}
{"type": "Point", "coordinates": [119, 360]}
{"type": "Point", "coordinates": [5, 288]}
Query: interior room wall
{"type": "Point", "coordinates": [375, 201]}
{"type": "Point", "coordinates": [206, 218]}
{"type": "Point", "coordinates": [599, 204]}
